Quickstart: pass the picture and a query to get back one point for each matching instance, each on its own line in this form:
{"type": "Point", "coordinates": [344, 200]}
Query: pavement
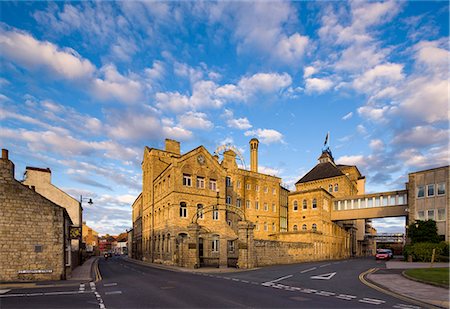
{"type": "Point", "coordinates": [392, 281]}
{"type": "Point", "coordinates": [81, 274]}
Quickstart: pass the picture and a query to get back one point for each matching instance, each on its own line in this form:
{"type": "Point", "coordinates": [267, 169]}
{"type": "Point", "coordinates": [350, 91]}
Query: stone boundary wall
{"type": "Point", "coordinates": [270, 252]}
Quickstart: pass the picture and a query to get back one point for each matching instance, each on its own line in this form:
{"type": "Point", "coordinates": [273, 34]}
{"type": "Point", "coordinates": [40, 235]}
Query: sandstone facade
{"type": "Point", "coordinates": [34, 232]}
{"type": "Point", "coordinates": [197, 211]}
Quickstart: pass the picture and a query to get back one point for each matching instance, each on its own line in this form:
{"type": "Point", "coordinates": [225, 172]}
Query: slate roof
{"type": "Point", "coordinates": [321, 171]}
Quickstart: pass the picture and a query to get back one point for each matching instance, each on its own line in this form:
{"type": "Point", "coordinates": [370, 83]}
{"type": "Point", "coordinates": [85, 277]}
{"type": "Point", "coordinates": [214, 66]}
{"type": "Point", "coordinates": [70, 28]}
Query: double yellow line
{"type": "Point", "coordinates": [385, 291]}
{"type": "Point", "coordinates": [98, 276]}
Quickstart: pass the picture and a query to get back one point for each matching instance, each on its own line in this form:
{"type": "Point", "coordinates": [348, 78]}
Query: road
{"type": "Point", "coordinates": [327, 284]}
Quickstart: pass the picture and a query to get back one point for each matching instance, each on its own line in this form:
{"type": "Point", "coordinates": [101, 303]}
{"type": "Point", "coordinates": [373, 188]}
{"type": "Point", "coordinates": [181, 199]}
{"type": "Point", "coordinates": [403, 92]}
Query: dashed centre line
{"type": "Point", "coordinates": [306, 270]}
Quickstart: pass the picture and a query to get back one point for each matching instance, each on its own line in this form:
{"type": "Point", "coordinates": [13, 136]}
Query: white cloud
{"type": "Point", "coordinates": [309, 71]}
{"type": "Point", "coordinates": [347, 116]}
{"type": "Point", "coordinates": [207, 94]}
{"type": "Point", "coordinates": [264, 82]}
{"type": "Point", "coordinates": [28, 52]}
{"type": "Point", "coordinates": [361, 129]}
{"type": "Point", "coordinates": [376, 145]}
{"type": "Point", "coordinates": [195, 120]}
{"type": "Point", "coordinates": [173, 101]}
{"type": "Point", "coordinates": [115, 85]}
{"type": "Point", "coordinates": [157, 71]}
{"type": "Point", "coordinates": [317, 85]}
{"type": "Point", "coordinates": [66, 145]}
{"type": "Point", "coordinates": [269, 170]}
{"type": "Point", "coordinates": [374, 113]}
{"type": "Point", "coordinates": [357, 160]}
{"type": "Point", "coordinates": [239, 123]}
{"type": "Point", "coordinates": [266, 136]}
{"type": "Point", "coordinates": [177, 133]}
{"type": "Point", "coordinates": [422, 136]}
{"type": "Point", "coordinates": [260, 27]}
{"type": "Point", "coordinates": [379, 77]}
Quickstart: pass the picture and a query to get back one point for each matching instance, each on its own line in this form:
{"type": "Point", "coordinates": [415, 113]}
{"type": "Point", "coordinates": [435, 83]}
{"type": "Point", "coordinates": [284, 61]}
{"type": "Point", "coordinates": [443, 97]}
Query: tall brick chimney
{"type": "Point", "coordinates": [254, 155]}
{"type": "Point", "coordinates": [173, 146]}
{"type": "Point", "coordinates": [6, 166]}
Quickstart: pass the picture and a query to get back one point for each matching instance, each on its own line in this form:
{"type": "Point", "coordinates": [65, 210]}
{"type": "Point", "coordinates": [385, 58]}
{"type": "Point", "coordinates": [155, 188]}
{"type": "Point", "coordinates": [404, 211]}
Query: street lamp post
{"type": "Point", "coordinates": [80, 237]}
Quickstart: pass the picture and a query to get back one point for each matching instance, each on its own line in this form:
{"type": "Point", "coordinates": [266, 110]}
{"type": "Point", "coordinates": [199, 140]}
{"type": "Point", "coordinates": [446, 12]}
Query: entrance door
{"type": "Point", "coordinates": [200, 251]}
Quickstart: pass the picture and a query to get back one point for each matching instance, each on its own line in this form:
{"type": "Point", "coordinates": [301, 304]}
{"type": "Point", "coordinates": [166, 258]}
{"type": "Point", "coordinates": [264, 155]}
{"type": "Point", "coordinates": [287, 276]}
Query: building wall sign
{"type": "Point", "coordinates": [75, 232]}
{"type": "Point", "coordinates": [35, 271]}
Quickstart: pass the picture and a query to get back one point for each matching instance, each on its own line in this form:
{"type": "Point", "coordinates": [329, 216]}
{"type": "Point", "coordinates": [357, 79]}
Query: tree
{"type": "Point", "coordinates": [423, 231]}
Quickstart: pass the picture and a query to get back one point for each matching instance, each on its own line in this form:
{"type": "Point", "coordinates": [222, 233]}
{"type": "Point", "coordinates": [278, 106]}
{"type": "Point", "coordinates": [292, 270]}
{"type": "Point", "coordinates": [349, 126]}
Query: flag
{"type": "Point", "coordinates": [326, 139]}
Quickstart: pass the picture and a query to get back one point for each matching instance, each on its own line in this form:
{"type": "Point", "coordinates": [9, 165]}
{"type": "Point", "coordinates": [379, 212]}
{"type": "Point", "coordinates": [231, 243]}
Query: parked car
{"type": "Point", "coordinates": [383, 254]}
{"type": "Point", "coordinates": [391, 255]}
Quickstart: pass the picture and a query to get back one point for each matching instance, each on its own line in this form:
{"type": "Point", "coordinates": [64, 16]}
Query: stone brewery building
{"type": "Point", "coordinates": [34, 232]}
{"type": "Point", "coordinates": [196, 210]}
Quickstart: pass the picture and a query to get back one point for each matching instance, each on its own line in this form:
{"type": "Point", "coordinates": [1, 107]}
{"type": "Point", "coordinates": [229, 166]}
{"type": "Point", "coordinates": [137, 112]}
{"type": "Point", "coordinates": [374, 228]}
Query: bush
{"type": "Point", "coordinates": [422, 251]}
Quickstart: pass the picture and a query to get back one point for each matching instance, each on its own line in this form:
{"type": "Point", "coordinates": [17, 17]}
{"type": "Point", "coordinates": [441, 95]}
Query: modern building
{"type": "Point", "coordinates": [34, 232]}
{"type": "Point", "coordinates": [40, 180]}
{"type": "Point", "coordinates": [429, 199]}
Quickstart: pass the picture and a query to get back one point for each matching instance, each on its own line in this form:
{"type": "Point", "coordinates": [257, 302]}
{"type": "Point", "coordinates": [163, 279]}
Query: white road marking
{"type": "Point", "coordinates": [245, 281]}
{"type": "Point", "coordinates": [282, 278]}
{"type": "Point", "coordinates": [324, 276]}
{"type": "Point", "coordinates": [404, 306]}
{"type": "Point", "coordinates": [325, 293]}
{"type": "Point", "coordinates": [325, 265]}
{"type": "Point", "coordinates": [306, 270]}
{"type": "Point", "coordinates": [4, 291]}
{"type": "Point", "coordinates": [110, 284]}
{"type": "Point", "coordinates": [371, 301]}
{"type": "Point", "coordinates": [345, 296]}
{"type": "Point", "coordinates": [113, 292]}
{"type": "Point", "coordinates": [308, 291]}
{"type": "Point", "coordinates": [234, 279]}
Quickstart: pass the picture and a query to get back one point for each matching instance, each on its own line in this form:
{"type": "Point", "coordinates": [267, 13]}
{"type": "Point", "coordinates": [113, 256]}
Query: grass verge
{"type": "Point", "coordinates": [431, 275]}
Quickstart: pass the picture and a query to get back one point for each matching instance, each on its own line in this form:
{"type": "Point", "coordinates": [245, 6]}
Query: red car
{"type": "Point", "coordinates": [383, 254]}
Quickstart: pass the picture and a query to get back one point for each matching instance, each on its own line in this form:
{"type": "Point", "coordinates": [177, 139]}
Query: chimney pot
{"type": "Point", "coordinates": [5, 154]}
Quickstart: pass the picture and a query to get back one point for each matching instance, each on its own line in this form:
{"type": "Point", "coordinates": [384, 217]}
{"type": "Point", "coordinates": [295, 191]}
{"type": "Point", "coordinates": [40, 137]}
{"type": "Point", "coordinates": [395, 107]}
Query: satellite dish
{"type": "Point", "coordinates": [221, 149]}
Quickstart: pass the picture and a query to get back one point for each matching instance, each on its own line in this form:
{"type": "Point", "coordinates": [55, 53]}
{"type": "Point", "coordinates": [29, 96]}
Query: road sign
{"type": "Point", "coordinates": [324, 276]}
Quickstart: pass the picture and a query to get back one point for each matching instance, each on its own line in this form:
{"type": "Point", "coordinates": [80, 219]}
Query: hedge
{"type": "Point", "coordinates": [422, 251]}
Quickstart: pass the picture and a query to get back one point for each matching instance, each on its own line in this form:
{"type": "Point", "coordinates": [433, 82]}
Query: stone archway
{"type": "Point", "coordinates": [243, 242]}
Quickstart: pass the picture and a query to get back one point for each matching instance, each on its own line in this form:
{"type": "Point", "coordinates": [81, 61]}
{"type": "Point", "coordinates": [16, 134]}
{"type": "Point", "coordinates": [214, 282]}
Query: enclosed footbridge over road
{"type": "Point", "coordinates": [371, 206]}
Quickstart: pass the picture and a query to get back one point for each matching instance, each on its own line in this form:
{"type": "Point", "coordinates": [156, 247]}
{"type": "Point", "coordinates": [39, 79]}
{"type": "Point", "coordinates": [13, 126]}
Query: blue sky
{"type": "Point", "coordinates": [84, 86]}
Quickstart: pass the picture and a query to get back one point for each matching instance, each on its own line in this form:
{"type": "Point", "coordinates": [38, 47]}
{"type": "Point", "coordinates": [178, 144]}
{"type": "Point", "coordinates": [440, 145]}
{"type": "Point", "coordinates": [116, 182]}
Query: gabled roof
{"type": "Point", "coordinates": [321, 171]}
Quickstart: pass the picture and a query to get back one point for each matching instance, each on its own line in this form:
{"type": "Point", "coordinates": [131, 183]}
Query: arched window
{"type": "Point", "coordinates": [295, 227]}
{"type": "Point", "coordinates": [168, 243]}
{"type": "Point", "coordinates": [304, 227]}
{"type": "Point", "coordinates": [200, 211]}
{"type": "Point", "coordinates": [330, 188]}
{"type": "Point", "coordinates": [273, 226]}
{"type": "Point", "coordinates": [265, 226]}
{"type": "Point", "coordinates": [183, 210]}
{"type": "Point", "coordinates": [305, 204]}
{"type": "Point", "coordinates": [314, 227]}
{"type": "Point", "coordinates": [295, 206]}
{"type": "Point", "coordinates": [314, 203]}
{"type": "Point", "coordinates": [336, 187]}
